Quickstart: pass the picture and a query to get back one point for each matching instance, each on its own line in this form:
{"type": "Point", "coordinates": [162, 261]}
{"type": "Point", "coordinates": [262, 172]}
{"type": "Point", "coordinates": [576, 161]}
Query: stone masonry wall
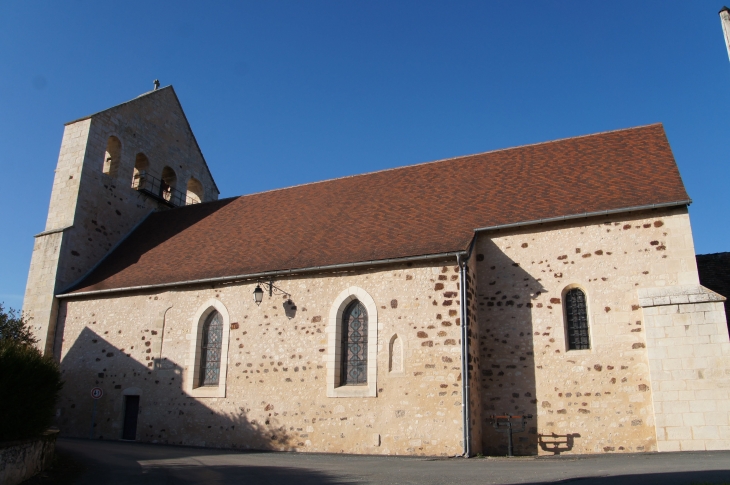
{"type": "Point", "coordinates": [276, 380]}
{"type": "Point", "coordinates": [108, 208]}
{"type": "Point", "coordinates": [97, 210]}
{"type": "Point", "coordinates": [67, 175]}
{"type": "Point", "coordinates": [38, 303]}
{"type": "Point", "coordinates": [584, 401]}
{"type": "Point", "coordinates": [689, 360]}
{"type": "Point", "coordinates": [21, 460]}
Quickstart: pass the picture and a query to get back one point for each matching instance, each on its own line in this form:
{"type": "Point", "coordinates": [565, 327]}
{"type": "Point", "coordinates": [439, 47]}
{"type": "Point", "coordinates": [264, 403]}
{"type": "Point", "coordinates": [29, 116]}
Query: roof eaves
{"type": "Point", "coordinates": [268, 274]}
{"type": "Point", "coordinates": [583, 215]}
{"type": "Point", "coordinates": [359, 264]}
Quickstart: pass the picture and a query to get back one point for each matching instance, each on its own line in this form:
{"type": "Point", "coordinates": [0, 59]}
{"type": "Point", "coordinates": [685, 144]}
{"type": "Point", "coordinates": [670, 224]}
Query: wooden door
{"type": "Point", "coordinates": [131, 410]}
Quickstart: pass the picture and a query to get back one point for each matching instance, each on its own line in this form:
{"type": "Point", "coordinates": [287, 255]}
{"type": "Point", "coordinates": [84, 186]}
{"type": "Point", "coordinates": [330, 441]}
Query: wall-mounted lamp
{"type": "Point", "coordinates": [258, 295]}
{"type": "Point", "coordinates": [258, 292]}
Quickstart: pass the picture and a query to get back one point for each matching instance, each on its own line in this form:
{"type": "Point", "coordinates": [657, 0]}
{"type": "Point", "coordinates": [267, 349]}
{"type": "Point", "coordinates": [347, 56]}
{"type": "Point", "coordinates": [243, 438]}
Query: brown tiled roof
{"type": "Point", "coordinates": [714, 271]}
{"type": "Point", "coordinates": [423, 209]}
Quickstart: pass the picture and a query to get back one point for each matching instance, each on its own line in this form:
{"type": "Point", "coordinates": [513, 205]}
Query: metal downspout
{"type": "Point", "coordinates": [465, 401]}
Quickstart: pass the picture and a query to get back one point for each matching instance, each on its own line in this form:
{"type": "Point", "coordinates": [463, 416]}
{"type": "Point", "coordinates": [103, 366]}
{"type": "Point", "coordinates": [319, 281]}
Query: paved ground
{"type": "Point", "coordinates": [111, 462]}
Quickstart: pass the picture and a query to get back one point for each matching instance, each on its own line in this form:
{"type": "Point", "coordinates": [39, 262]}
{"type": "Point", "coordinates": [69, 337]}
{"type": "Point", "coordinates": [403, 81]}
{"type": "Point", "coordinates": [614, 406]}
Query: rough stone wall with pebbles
{"type": "Point", "coordinates": [583, 401]}
{"type": "Point", "coordinates": [276, 380]}
{"type": "Point", "coordinates": [93, 208]}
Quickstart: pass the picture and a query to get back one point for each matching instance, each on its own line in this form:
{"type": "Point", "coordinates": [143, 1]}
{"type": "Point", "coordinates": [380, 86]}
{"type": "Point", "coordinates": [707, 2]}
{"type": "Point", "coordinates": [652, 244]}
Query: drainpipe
{"type": "Point", "coordinates": [461, 260]}
{"type": "Point", "coordinates": [465, 405]}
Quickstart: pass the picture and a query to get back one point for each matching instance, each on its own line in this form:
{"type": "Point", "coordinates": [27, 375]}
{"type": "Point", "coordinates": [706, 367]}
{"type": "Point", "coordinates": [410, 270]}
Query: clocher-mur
{"type": "Point", "coordinates": [398, 312]}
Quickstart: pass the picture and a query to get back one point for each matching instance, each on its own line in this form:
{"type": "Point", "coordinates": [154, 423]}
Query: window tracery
{"type": "Point", "coordinates": [354, 345]}
{"type": "Point", "coordinates": [210, 350]}
{"type": "Point", "coordinates": [576, 320]}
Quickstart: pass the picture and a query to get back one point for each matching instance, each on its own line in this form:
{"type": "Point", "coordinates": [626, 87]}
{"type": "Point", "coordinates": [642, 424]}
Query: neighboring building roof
{"type": "Point", "coordinates": [714, 271]}
{"type": "Point", "coordinates": [431, 208]}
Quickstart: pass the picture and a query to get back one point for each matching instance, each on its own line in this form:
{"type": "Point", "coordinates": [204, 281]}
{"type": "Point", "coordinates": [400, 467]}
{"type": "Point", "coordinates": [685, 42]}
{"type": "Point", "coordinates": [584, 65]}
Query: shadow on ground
{"type": "Point", "coordinates": [65, 470]}
{"type": "Point", "coordinates": [712, 477]}
{"type": "Point", "coordinates": [121, 463]}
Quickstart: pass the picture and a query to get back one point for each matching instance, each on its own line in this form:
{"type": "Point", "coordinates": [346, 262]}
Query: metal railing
{"type": "Point", "coordinates": [158, 189]}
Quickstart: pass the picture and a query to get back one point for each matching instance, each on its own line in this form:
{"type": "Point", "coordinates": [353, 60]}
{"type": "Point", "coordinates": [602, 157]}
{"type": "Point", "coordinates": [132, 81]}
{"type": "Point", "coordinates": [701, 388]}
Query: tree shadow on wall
{"type": "Point", "coordinates": [506, 294]}
{"type": "Point", "coordinates": [167, 415]}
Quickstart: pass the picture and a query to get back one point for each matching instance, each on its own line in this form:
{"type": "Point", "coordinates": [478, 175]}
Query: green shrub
{"type": "Point", "coordinates": [29, 387]}
{"type": "Point", "coordinates": [14, 327]}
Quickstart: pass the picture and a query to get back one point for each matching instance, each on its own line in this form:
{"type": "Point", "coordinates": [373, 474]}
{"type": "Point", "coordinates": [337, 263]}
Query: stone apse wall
{"type": "Point", "coordinates": [584, 401]}
{"type": "Point", "coordinates": [90, 211]}
{"type": "Point", "coordinates": [276, 382]}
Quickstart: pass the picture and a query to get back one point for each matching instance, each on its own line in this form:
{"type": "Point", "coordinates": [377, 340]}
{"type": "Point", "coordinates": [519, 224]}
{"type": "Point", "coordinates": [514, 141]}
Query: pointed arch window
{"type": "Point", "coordinates": [354, 345]}
{"type": "Point", "coordinates": [210, 350]}
{"type": "Point", "coordinates": [576, 320]}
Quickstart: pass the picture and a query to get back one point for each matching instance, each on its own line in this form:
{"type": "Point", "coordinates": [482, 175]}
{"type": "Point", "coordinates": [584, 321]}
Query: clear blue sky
{"type": "Point", "coordinates": [287, 92]}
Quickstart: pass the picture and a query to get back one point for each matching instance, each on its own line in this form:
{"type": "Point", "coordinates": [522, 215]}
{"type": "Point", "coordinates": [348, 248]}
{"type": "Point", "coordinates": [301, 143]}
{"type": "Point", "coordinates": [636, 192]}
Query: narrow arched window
{"type": "Point", "coordinates": [354, 349]}
{"type": "Point", "coordinates": [139, 179]}
{"type": "Point", "coordinates": [210, 350]}
{"type": "Point", "coordinates": [111, 156]}
{"type": "Point", "coordinates": [167, 185]}
{"type": "Point", "coordinates": [576, 316]}
{"type": "Point", "coordinates": [195, 192]}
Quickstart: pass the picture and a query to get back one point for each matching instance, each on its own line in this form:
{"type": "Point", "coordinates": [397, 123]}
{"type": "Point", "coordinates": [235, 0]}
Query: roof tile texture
{"type": "Point", "coordinates": [421, 209]}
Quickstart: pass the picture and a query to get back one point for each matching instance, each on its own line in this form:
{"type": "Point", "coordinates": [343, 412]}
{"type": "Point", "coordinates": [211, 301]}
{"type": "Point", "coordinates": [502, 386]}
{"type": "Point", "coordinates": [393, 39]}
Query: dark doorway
{"type": "Point", "coordinates": [131, 409]}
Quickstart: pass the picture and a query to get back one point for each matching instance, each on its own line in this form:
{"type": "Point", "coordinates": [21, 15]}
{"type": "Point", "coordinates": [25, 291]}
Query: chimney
{"type": "Point", "coordinates": [725, 19]}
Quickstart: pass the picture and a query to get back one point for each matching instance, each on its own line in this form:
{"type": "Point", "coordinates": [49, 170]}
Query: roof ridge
{"type": "Point", "coordinates": [402, 167]}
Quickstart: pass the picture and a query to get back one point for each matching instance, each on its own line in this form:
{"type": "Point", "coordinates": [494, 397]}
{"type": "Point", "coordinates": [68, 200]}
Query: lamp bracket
{"type": "Point", "coordinates": [273, 289]}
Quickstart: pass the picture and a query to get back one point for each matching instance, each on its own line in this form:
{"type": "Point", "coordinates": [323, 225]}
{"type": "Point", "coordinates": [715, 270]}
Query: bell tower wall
{"type": "Point", "coordinates": [99, 193]}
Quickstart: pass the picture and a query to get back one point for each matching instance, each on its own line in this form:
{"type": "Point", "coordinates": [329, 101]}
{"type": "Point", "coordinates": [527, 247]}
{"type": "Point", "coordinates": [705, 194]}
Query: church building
{"type": "Point", "coordinates": [398, 312]}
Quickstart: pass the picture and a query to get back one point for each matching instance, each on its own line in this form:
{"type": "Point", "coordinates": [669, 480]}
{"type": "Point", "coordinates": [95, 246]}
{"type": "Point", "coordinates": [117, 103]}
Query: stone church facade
{"type": "Point", "coordinates": [399, 310]}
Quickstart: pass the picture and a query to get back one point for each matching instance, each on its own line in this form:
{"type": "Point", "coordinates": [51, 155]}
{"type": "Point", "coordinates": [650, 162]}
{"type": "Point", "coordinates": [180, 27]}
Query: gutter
{"type": "Point", "coordinates": [266, 274]}
{"type": "Point", "coordinates": [584, 215]}
{"type": "Point", "coordinates": [462, 260]}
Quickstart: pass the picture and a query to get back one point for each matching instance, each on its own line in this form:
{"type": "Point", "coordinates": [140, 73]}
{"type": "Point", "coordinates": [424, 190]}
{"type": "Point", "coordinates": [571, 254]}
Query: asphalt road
{"type": "Point", "coordinates": [113, 462]}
